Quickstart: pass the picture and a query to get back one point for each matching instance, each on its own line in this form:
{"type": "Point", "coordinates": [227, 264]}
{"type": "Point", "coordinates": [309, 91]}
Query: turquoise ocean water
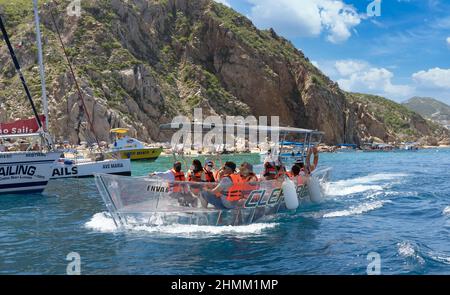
{"type": "Point", "coordinates": [394, 204]}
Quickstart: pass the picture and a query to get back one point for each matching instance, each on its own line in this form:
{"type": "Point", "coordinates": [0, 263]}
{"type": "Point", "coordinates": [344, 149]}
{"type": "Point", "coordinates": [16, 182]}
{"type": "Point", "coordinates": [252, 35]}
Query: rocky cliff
{"type": "Point", "coordinates": [141, 62]}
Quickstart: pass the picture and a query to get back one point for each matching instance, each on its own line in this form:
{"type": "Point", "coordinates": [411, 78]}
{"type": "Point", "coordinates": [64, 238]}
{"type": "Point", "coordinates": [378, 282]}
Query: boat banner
{"type": "Point", "coordinates": [25, 126]}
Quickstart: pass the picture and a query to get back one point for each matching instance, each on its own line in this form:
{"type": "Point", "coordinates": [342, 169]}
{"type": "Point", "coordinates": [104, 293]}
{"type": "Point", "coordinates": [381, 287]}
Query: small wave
{"type": "Point", "coordinates": [409, 251]}
{"type": "Point", "coordinates": [345, 191]}
{"type": "Point", "coordinates": [446, 211]}
{"type": "Point", "coordinates": [353, 210]}
{"type": "Point", "coordinates": [356, 210]}
{"type": "Point", "coordinates": [103, 222]}
{"type": "Point", "coordinates": [440, 258]}
{"type": "Point", "coordinates": [361, 184]}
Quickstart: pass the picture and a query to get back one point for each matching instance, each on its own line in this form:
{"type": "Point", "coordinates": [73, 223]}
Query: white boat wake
{"type": "Point", "coordinates": [373, 182]}
{"type": "Point", "coordinates": [446, 211]}
{"type": "Point", "coordinates": [351, 211]}
{"type": "Point", "coordinates": [357, 210]}
{"type": "Point", "coordinates": [102, 222]}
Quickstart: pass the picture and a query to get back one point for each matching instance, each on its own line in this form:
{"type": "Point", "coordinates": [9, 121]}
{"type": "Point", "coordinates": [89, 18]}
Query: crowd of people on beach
{"type": "Point", "coordinates": [230, 186]}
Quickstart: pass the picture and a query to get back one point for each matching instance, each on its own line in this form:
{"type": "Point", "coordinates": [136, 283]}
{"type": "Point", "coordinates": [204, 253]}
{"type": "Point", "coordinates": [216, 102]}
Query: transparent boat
{"type": "Point", "coordinates": [155, 201]}
{"type": "Point", "coordinates": [151, 201]}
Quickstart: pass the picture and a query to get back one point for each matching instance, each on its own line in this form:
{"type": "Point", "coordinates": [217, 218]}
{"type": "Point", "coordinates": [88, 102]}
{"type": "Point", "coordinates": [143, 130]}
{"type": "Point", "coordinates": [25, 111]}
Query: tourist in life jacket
{"type": "Point", "coordinates": [224, 195]}
{"type": "Point", "coordinates": [246, 172]}
{"type": "Point", "coordinates": [208, 171]}
{"type": "Point", "coordinates": [296, 175]}
{"type": "Point", "coordinates": [196, 173]}
{"type": "Point", "coordinates": [249, 180]}
{"type": "Point", "coordinates": [281, 170]}
{"type": "Point", "coordinates": [270, 171]}
{"type": "Point", "coordinates": [172, 175]}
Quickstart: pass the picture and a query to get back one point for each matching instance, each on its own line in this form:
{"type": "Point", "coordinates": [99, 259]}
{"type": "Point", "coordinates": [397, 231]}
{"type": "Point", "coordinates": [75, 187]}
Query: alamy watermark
{"type": "Point", "coordinates": [74, 266]}
{"type": "Point", "coordinates": [74, 8]}
{"type": "Point", "coordinates": [374, 266]}
{"type": "Point", "coordinates": [232, 131]}
{"type": "Point", "coordinates": [374, 8]}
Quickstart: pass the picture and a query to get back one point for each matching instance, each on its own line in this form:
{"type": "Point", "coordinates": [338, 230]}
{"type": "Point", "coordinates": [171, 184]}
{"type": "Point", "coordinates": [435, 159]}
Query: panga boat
{"type": "Point", "coordinates": [136, 201]}
{"type": "Point", "coordinates": [130, 148]}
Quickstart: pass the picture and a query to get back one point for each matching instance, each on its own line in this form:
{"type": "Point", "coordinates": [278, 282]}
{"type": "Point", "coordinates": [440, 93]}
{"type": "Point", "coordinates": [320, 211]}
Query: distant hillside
{"type": "Point", "coordinates": [141, 62]}
{"type": "Point", "coordinates": [390, 121]}
{"type": "Point", "coordinates": [429, 108]}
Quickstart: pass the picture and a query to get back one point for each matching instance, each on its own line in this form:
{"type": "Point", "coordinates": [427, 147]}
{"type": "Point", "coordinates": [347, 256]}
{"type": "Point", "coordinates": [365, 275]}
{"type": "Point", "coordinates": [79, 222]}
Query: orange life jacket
{"type": "Point", "coordinates": [179, 176]}
{"type": "Point", "coordinates": [235, 191]}
{"type": "Point", "coordinates": [195, 176]}
{"type": "Point", "coordinates": [209, 176]}
{"type": "Point", "coordinates": [248, 184]}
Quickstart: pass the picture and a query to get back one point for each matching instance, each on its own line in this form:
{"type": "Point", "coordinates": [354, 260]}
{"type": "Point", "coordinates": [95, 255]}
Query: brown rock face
{"type": "Point", "coordinates": [142, 62]}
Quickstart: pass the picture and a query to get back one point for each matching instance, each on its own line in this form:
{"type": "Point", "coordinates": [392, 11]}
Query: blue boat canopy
{"type": "Point", "coordinates": [291, 143]}
{"type": "Point", "coordinates": [347, 145]}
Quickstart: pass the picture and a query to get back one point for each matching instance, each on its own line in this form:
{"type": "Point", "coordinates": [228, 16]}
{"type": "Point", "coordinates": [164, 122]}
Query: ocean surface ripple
{"type": "Point", "coordinates": [394, 204]}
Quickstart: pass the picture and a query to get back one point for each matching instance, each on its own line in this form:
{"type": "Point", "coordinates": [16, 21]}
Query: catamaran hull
{"type": "Point", "coordinates": [81, 169]}
{"type": "Point", "coordinates": [24, 172]}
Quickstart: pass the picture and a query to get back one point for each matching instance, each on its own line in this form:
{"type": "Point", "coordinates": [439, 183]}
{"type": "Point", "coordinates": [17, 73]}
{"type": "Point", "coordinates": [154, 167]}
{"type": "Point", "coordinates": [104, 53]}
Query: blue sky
{"type": "Point", "coordinates": [403, 52]}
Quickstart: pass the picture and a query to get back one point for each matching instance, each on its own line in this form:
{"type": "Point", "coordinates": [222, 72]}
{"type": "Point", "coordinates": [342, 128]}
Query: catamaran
{"type": "Point", "coordinates": [25, 171]}
{"type": "Point", "coordinates": [151, 200]}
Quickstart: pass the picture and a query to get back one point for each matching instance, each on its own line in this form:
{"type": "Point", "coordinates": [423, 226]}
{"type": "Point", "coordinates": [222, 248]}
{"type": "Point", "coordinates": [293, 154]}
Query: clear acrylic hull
{"type": "Point", "coordinates": [153, 201]}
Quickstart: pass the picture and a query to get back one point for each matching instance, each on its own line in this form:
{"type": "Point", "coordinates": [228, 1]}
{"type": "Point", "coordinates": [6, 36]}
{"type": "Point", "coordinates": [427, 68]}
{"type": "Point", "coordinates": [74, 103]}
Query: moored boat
{"type": "Point", "coordinates": [80, 168]}
{"type": "Point", "coordinates": [27, 171]}
{"type": "Point", "coordinates": [130, 148]}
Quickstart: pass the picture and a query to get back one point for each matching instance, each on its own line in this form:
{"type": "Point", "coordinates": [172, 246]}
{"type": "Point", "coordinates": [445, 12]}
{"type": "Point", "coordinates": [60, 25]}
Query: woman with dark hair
{"type": "Point", "coordinates": [196, 173]}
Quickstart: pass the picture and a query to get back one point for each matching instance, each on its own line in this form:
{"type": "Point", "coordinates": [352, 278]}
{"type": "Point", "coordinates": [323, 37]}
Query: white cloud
{"type": "Point", "coordinates": [433, 78]}
{"type": "Point", "coordinates": [308, 18]}
{"type": "Point", "coordinates": [448, 41]}
{"type": "Point", "coordinates": [347, 67]}
{"type": "Point", "coordinates": [224, 2]}
{"type": "Point", "coordinates": [360, 76]}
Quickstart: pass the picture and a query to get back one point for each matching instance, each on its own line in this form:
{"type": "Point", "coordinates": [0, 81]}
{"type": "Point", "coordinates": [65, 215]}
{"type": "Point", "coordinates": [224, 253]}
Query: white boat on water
{"type": "Point", "coordinates": [27, 171]}
{"type": "Point", "coordinates": [125, 147]}
{"type": "Point", "coordinates": [135, 201]}
{"type": "Point", "coordinates": [80, 168]}
{"type": "Point", "coordinates": [24, 172]}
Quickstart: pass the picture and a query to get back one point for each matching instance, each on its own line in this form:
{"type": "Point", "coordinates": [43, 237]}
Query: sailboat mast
{"type": "Point", "coordinates": [41, 63]}
{"type": "Point", "coordinates": [19, 71]}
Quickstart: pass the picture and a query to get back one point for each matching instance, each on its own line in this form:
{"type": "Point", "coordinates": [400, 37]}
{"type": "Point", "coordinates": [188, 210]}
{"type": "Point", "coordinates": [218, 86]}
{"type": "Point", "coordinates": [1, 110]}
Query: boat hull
{"type": "Point", "coordinates": [24, 172]}
{"type": "Point", "coordinates": [80, 169]}
{"type": "Point", "coordinates": [140, 154]}
{"type": "Point", "coordinates": [151, 201]}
